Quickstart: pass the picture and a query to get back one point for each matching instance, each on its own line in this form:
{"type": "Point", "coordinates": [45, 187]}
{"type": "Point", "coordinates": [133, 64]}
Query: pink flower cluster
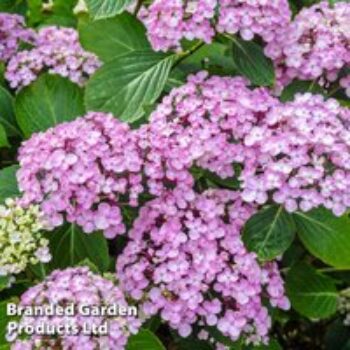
{"type": "Point", "coordinates": [80, 287]}
{"type": "Point", "coordinates": [207, 119]}
{"type": "Point", "coordinates": [304, 156]}
{"type": "Point", "coordinates": [80, 171]}
{"type": "Point", "coordinates": [187, 262]}
{"type": "Point", "coordinates": [56, 50]}
{"type": "Point", "coordinates": [296, 152]}
{"type": "Point", "coordinates": [315, 45]}
{"type": "Point", "coordinates": [170, 21]}
{"type": "Point", "coordinates": [265, 18]}
{"type": "Point", "coordinates": [12, 33]}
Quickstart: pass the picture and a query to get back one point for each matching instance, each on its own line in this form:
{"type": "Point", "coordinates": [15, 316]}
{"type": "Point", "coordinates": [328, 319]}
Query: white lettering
{"type": "Point", "coordinates": [11, 309]}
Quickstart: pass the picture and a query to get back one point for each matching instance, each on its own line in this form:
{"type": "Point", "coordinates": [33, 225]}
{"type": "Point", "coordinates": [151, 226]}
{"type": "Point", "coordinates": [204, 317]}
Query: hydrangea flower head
{"type": "Point", "coordinates": [186, 261]}
{"type": "Point", "coordinates": [21, 239]}
{"type": "Point", "coordinates": [207, 119]}
{"type": "Point", "coordinates": [80, 287]}
{"type": "Point", "coordinates": [80, 171]}
{"type": "Point", "coordinates": [264, 18]}
{"type": "Point", "coordinates": [170, 21]}
{"type": "Point", "coordinates": [294, 153]}
{"type": "Point", "coordinates": [57, 51]}
{"type": "Point", "coordinates": [304, 159]}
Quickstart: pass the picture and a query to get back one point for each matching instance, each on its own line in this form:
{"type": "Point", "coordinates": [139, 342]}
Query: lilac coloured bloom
{"type": "Point", "coordinates": [12, 33]}
{"type": "Point", "coordinates": [168, 21]}
{"type": "Point", "coordinates": [295, 153]}
{"type": "Point", "coordinates": [57, 51]}
{"type": "Point", "coordinates": [314, 46]}
{"type": "Point", "coordinates": [304, 156]}
{"type": "Point", "coordinates": [186, 262]}
{"type": "Point", "coordinates": [80, 171]}
{"type": "Point", "coordinates": [207, 119]}
{"type": "Point", "coordinates": [265, 18]}
{"type": "Point", "coordinates": [80, 287]}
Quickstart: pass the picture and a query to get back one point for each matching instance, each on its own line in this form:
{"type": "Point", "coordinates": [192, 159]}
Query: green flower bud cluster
{"type": "Point", "coordinates": [21, 239]}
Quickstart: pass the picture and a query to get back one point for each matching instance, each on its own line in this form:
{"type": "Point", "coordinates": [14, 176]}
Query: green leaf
{"type": "Point", "coordinates": [344, 103]}
{"type": "Point", "coordinates": [299, 86]}
{"type": "Point", "coordinates": [3, 137]}
{"type": "Point", "coordinates": [214, 181]}
{"type": "Point", "coordinates": [64, 7]}
{"type": "Point", "coordinates": [127, 84]}
{"type": "Point", "coordinates": [326, 236]}
{"type": "Point", "coordinates": [90, 265]}
{"type": "Point", "coordinates": [153, 323]}
{"type": "Point", "coordinates": [110, 38]}
{"type": "Point", "coordinates": [293, 254]}
{"type": "Point", "coordinates": [50, 100]}
{"type": "Point", "coordinates": [69, 246]}
{"type": "Point", "coordinates": [7, 115]}
{"type": "Point", "coordinates": [251, 62]}
{"type": "Point", "coordinates": [337, 336]}
{"type": "Point", "coordinates": [18, 6]}
{"type": "Point", "coordinates": [61, 14]}
{"type": "Point", "coordinates": [293, 7]}
{"type": "Point", "coordinates": [8, 183]}
{"type": "Point", "coordinates": [106, 8]}
{"type": "Point", "coordinates": [39, 270]}
{"type": "Point", "coordinates": [4, 319]}
{"type": "Point", "coordinates": [144, 340]}
{"type": "Point", "coordinates": [2, 72]}
{"type": "Point", "coordinates": [177, 77]}
{"type": "Point", "coordinates": [58, 12]}
{"type": "Point", "coordinates": [214, 57]}
{"type": "Point", "coordinates": [269, 232]}
{"type": "Point", "coordinates": [4, 282]}
{"type": "Point", "coordinates": [34, 13]}
{"type": "Point", "coordinates": [312, 294]}
{"type": "Point", "coordinates": [59, 20]}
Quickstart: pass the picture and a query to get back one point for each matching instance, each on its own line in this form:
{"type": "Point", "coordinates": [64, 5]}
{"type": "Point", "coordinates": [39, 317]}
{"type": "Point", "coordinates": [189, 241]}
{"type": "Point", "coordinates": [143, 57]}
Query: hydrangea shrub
{"type": "Point", "coordinates": [199, 174]}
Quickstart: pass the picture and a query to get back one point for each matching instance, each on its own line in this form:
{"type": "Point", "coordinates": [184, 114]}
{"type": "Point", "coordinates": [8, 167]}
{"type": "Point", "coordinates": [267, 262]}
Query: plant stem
{"type": "Point", "coordinates": [183, 55]}
{"type": "Point", "coordinates": [42, 270]}
{"type": "Point", "coordinates": [312, 85]}
{"type": "Point", "coordinates": [333, 269]}
{"type": "Point", "coordinates": [138, 7]}
{"type": "Point", "coordinates": [334, 91]}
